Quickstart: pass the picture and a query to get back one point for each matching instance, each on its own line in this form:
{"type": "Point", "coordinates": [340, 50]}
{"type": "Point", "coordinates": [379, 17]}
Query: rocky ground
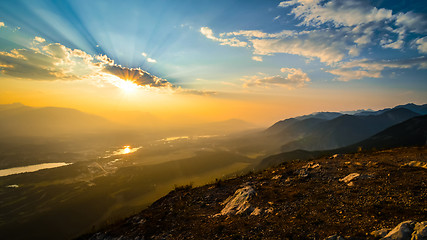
{"type": "Point", "coordinates": [350, 196]}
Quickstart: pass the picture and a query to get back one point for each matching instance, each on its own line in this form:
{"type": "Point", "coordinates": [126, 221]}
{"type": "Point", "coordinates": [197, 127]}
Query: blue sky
{"type": "Point", "coordinates": [234, 47]}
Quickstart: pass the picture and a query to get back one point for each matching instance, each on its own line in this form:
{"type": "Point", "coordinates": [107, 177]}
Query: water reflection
{"type": "Point", "coordinates": [123, 151]}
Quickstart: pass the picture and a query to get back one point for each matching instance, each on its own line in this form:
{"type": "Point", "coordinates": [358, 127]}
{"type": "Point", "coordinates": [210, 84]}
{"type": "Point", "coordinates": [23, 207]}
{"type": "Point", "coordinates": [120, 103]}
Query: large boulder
{"type": "Point", "coordinates": [403, 231]}
{"type": "Point", "coordinates": [239, 202]}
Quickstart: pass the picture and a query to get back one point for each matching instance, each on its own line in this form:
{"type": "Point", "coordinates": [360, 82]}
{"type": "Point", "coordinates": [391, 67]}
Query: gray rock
{"type": "Point", "coordinates": [239, 202]}
{"type": "Point", "coordinates": [403, 231]}
{"type": "Point", "coordinates": [420, 231]}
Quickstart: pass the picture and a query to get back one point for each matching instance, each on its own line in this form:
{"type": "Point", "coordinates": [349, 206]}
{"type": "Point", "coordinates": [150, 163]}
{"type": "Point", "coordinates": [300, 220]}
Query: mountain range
{"type": "Point", "coordinates": [331, 130]}
{"type": "Point", "coordinates": [412, 132]}
{"type": "Point", "coordinates": [17, 120]}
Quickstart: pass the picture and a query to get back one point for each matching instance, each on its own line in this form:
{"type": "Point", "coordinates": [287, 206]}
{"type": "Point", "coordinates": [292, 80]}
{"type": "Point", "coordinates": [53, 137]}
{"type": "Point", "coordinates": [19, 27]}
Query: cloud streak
{"type": "Point", "coordinates": [233, 42]}
{"type": "Point", "coordinates": [370, 68]}
{"type": "Point", "coordinates": [295, 78]}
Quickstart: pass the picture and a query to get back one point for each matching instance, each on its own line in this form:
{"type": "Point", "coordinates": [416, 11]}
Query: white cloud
{"type": "Point", "coordinates": [277, 17]}
{"type": "Point", "coordinates": [295, 78]}
{"type": "Point", "coordinates": [317, 44]}
{"type": "Point", "coordinates": [394, 44]}
{"type": "Point", "coordinates": [151, 60]}
{"type": "Point", "coordinates": [359, 14]}
{"type": "Point", "coordinates": [398, 44]}
{"type": "Point", "coordinates": [148, 59]}
{"type": "Point", "coordinates": [257, 58]}
{"type": "Point", "coordinates": [233, 42]}
{"type": "Point", "coordinates": [354, 51]}
{"type": "Point", "coordinates": [48, 62]}
{"type": "Point", "coordinates": [260, 34]}
{"type": "Point", "coordinates": [328, 45]}
{"type": "Point", "coordinates": [340, 13]}
{"type": "Point", "coordinates": [422, 44]}
{"type": "Point", "coordinates": [39, 39]}
{"type": "Point", "coordinates": [346, 74]}
{"type": "Point", "coordinates": [414, 22]}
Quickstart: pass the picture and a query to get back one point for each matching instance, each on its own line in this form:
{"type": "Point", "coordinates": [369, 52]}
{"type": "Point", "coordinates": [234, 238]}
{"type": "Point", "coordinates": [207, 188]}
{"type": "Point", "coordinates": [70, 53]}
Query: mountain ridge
{"type": "Point", "coordinates": [412, 132]}
{"type": "Point", "coordinates": [348, 129]}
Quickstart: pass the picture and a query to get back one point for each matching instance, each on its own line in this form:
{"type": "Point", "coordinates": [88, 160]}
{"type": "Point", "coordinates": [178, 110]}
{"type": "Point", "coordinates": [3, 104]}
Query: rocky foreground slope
{"type": "Point", "coordinates": [348, 196]}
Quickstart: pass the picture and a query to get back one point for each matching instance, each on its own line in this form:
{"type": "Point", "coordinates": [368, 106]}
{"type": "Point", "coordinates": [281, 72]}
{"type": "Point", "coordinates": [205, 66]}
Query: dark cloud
{"type": "Point", "coordinates": [137, 76]}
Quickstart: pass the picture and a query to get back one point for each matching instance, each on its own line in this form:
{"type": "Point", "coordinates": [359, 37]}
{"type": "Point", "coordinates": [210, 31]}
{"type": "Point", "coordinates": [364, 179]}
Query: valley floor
{"type": "Point", "coordinates": [350, 195]}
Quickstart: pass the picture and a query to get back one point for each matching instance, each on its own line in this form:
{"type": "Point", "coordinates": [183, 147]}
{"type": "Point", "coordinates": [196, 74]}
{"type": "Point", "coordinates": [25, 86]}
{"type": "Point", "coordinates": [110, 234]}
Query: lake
{"type": "Point", "coordinates": [30, 168]}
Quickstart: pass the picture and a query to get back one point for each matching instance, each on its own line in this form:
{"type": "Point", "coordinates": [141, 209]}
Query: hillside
{"type": "Point", "coordinates": [412, 132]}
{"type": "Point", "coordinates": [350, 195]}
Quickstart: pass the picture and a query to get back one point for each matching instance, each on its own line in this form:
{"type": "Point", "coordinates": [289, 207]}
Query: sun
{"type": "Point", "coordinates": [127, 86]}
{"type": "Point", "coordinates": [126, 150]}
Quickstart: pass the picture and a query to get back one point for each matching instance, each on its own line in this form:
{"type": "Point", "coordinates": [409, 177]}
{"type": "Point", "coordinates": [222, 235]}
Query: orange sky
{"type": "Point", "coordinates": [262, 108]}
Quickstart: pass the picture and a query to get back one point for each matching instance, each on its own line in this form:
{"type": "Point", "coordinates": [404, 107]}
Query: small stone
{"type": "Point", "coordinates": [334, 237]}
{"type": "Point", "coordinates": [256, 212]}
{"type": "Point", "coordinates": [349, 177]}
{"type": "Point", "coordinates": [311, 165]}
{"type": "Point", "coordinates": [303, 173]}
{"type": "Point", "coordinates": [276, 177]}
{"type": "Point", "coordinates": [270, 210]}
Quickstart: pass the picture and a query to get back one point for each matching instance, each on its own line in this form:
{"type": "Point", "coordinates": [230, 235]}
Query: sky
{"type": "Point", "coordinates": [256, 60]}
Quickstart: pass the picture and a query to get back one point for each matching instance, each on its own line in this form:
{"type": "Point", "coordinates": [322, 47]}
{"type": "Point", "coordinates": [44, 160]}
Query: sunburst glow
{"type": "Point", "coordinates": [127, 86]}
{"type": "Point", "coordinates": [126, 150]}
